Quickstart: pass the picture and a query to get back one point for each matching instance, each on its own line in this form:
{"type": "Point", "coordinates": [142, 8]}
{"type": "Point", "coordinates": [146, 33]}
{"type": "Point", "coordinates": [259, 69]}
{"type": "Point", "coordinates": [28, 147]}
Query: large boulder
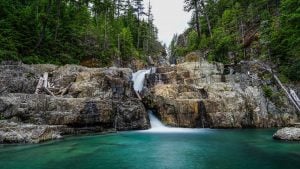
{"type": "Point", "coordinates": [288, 134]}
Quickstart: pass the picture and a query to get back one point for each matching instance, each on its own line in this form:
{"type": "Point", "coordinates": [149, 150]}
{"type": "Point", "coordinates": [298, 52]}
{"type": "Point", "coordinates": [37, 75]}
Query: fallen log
{"type": "Point", "coordinates": [295, 97]}
{"type": "Point", "coordinates": [45, 77]}
{"type": "Point", "coordinates": [138, 95]}
{"type": "Point", "coordinates": [286, 92]}
{"type": "Point", "coordinates": [289, 96]}
{"type": "Point", "coordinates": [48, 91]}
{"type": "Point", "coordinates": [65, 90]}
{"type": "Point", "coordinates": [39, 86]}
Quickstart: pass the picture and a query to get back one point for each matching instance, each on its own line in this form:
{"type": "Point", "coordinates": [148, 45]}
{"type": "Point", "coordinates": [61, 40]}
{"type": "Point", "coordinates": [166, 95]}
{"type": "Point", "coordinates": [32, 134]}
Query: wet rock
{"type": "Point", "coordinates": [288, 134]}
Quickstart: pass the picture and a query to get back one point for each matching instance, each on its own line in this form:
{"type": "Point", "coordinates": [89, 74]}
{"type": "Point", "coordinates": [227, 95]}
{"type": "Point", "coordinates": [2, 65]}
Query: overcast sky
{"type": "Point", "coordinates": [169, 17]}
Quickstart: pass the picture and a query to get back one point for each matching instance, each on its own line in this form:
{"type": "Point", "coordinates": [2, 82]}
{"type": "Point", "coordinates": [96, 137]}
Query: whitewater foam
{"type": "Point", "coordinates": [138, 79]}
{"type": "Point", "coordinates": [158, 127]}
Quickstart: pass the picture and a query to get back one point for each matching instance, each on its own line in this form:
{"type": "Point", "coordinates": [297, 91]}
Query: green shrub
{"type": "Point", "coordinates": [267, 91]}
{"type": "Point", "coordinates": [33, 59]}
{"type": "Point", "coordinates": [1, 117]}
{"type": "Point", "coordinates": [293, 71]}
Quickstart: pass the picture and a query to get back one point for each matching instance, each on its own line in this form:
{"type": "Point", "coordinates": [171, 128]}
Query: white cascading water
{"type": "Point", "coordinates": [155, 123]}
{"type": "Point", "coordinates": [158, 127]}
{"type": "Point", "coordinates": [138, 79]}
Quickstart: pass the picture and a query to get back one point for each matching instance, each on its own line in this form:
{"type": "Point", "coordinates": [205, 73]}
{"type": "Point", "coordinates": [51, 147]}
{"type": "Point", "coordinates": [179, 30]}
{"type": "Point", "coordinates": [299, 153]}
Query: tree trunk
{"type": "Point", "coordinates": [243, 38]}
{"type": "Point", "coordinates": [138, 38]}
{"type": "Point", "coordinates": [118, 8]}
{"type": "Point", "coordinates": [58, 3]}
{"type": "Point", "coordinates": [43, 32]}
{"type": "Point", "coordinates": [105, 46]}
{"type": "Point", "coordinates": [207, 19]}
{"type": "Point", "coordinates": [198, 25]}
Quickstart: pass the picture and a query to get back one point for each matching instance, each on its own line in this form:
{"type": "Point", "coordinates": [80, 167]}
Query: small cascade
{"type": "Point", "coordinates": [158, 127]}
{"type": "Point", "coordinates": [155, 123]}
{"type": "Point", "coordinates": [138, 79]}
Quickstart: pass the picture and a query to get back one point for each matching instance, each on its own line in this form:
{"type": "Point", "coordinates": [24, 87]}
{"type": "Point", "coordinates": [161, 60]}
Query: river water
{"type": "Point", "coordinates": [200, 149]}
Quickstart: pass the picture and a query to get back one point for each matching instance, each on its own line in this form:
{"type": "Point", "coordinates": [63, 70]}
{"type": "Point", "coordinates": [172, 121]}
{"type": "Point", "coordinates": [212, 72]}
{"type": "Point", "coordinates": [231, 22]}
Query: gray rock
{"type": "Point", "coordinates": [96, 100]}
{"type": "Point", "coordinates": [288, 134]}
{"type": "Point", "coordinates": [25, 133]}
{"type": "Point", "coordinates": [195, 94]}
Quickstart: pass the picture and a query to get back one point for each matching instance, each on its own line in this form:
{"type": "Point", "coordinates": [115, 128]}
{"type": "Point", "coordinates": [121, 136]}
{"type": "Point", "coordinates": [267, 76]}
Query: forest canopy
{"type": "Point", "coordinates": [70, 31]}
{"type": "Point", "coordinates": [229, 31]}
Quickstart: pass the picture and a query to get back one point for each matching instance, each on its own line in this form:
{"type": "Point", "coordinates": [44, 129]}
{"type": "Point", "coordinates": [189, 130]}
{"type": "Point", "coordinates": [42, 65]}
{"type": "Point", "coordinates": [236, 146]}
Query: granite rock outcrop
{"type": "Point", "coordinates": [85, 100]}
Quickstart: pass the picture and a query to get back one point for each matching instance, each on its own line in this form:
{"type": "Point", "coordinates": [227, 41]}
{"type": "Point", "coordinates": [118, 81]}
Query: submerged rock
{"type": "Point", "coordinates": [288, 134]}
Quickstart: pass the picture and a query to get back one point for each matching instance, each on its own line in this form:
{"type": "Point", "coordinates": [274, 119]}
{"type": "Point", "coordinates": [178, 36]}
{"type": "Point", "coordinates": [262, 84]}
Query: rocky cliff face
{"type": "Point", "coordinates": [202, 94]}
{"type": "Point", "coordinates": [86, 100]}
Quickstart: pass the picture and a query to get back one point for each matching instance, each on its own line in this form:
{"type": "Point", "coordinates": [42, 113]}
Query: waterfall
{"type": "Point", "coordinates": [158, 127]}
{"type": "Point", "coordinates": [155, 123]}
{"type": "Point", "coordinates": [138, 79]}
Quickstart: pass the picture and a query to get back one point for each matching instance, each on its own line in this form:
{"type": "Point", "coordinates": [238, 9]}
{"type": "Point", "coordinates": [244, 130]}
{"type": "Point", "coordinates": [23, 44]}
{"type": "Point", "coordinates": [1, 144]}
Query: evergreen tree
{"type": "Point", "coordinates": [71, 31]}
{"type": "Point", "coordinates": [244, 29]}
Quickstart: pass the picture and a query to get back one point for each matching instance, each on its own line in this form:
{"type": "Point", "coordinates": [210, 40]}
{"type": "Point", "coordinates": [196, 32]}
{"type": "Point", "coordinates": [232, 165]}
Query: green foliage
{"type": "Point", "coordinates": [224, 43]}
{"type": "Point", "coordinates": [267, 91]}
{"type": "Point", "coordinates": [275, 97]}
{"type": "Point", "coordinates": [234, 30]}
{"type": "Point", "coordinates": [290, 72]}
{"type": "Point", "coordinates": [2, 116]}
{"type": "Point", "coordinates": [192, 40]}
{"type": "Point", "coordinates": [127, 44]}
{"type": "Point", "coordinates": [63, 31]}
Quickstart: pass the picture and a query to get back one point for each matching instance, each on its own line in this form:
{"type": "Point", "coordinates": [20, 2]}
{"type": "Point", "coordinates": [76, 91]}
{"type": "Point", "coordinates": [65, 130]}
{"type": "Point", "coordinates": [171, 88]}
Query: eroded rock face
{"type": "Point", "coordinates": [11, 132]}
{"type": "Point", "coordinates": [126, 120]}
{"type": "Point", "coordinates": [86, 100]}
{"type": "Point", "coordinates": [201, 94]}
{"type": "Point", "coordinates": [288, 134]}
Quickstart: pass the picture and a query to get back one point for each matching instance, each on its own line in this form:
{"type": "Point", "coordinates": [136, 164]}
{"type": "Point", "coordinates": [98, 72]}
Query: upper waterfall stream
{"type": "Point", "coordinates": [138, 79]}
